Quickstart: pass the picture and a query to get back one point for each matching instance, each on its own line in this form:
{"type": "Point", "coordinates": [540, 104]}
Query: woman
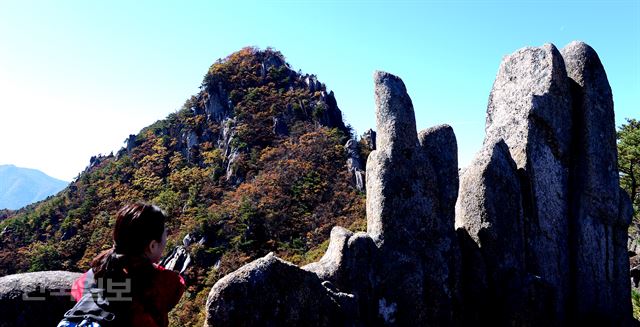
{"type": "Point", "coordinates": [138, 291]}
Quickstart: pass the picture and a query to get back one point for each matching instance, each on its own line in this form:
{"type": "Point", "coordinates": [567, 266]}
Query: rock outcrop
{"type": "Point", "coordinates": [541, 222]}
{"type": "Point", "coordinates": [369, 138]}
{"type": "Point", "coordinates": [600, 261]}
{"type": "Point", "coordinates": [530, 108]}
{"type": "Point", "coordinates": [405, 217]}
{"type": "Point", "coordinates": [354, 164]}
{"type": "Point", "coordinates": [35, 299]}
{"type": "Point", "coordinates": [405, 269]}
{"type": "Point", "coordinates": [269, 291]}
{"type": "Point", "coordinates": [489, 211]}
{"type": "Point", "coordinates": [532, 233]}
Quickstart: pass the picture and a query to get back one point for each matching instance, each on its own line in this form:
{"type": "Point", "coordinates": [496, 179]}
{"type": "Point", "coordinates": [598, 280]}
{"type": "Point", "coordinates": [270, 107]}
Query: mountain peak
{"type": "Point", "coordinates": [22, 186]}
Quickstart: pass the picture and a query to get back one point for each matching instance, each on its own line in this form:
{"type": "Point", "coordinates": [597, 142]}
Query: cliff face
{"type": "Point", "coordinates": [537, 236]}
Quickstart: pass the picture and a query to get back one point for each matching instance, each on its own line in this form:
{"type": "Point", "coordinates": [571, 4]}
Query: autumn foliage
{"type": "Point", "coordinates": [229, 180]}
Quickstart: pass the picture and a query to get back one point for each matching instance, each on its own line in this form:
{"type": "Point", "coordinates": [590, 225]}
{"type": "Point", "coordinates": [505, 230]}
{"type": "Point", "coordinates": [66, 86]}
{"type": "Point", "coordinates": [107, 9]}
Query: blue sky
{"type": "Point", "coordinates": [77, 77]}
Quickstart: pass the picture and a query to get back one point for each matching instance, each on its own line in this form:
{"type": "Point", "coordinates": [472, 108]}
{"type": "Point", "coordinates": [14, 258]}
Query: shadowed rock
{"type": "Point", "coordinates": [398, 206]}
{"type": "Point", "coordinates": [490, 210]}
{"type": "Point", "coordinates": [272, 292]}
{"type": "Point", "coordinates": [530, 108]}
{"type": "Point", "coordinates": [404, 216]}
{"type": "Point", "coordinates": [442, 253]}
{"type": "Point", "coordinates": [542, 223]}
{"type": "Point", "coordinates": [595, 203]}
{"type": "Point", "coordinates": [348, 265]}
{"type": "Point", "coordinates": [35, 299]}
{"type": "Point", "coordinates": [441, 149]}
{"type": "Point", "coordinates": [354, 164]}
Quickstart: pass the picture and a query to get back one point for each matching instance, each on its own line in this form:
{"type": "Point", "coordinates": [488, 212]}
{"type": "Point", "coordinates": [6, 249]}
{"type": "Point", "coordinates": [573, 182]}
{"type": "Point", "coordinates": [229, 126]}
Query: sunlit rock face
{"type": "Point", "coordinates": [537, 236]}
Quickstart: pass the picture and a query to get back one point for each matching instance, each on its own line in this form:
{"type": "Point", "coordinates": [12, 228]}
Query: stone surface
{"type": "Point", "coordinates": [272, 292]}
{"type": "Point", "coordinates": [178, 260]}
{"type": "Point", "coordinates": [594, 186]}
{"type": "Point", "coordinates": [216, 104]}
{"type": "Point", "coordinates": [280, 127]}
{"type": "Point", "coordinates": [439, 145]}
{"type": "Point", "coordinates": [369, 138]}
{"type": "Point", "coordinates": [397, 206]}
{"type": "Point", "coordinates": [35, 299]}
{"type": "Point", "coordinates": [331, 266]}
{"type": "Point", "coordinates": [490, 211]}
{"type": "Point", "coordinates": [530, 108]}
{"type": "Point", "coordinates": [413, 270]}
{"type": "Point", "coordinates": [332, 116]}
{"type": "Point", "coordinates": [348, 265]}
{"type": "Point", "coordinates": [442, 252]}
{"type": "Point", "coordinates": [542, 224]}
{"type": "Point", "coordinates": [354, 164]}
{"type": "Point", "coordinates": [396, 201]}
{"type": "Point", "coordinates": [131, 142]}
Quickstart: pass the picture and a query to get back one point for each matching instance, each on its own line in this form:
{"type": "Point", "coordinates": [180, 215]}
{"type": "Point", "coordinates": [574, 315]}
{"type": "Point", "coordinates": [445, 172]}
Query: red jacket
{"type": "Point", "coordinates": [165, 292]}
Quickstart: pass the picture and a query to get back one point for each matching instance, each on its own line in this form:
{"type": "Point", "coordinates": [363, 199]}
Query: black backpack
{"type": "Point", "coordinates": [96, 307]}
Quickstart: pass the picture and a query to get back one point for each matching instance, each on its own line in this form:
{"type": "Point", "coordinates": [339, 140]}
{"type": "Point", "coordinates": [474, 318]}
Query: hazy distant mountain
{"type": "Point", "coordinates": [22, 186]}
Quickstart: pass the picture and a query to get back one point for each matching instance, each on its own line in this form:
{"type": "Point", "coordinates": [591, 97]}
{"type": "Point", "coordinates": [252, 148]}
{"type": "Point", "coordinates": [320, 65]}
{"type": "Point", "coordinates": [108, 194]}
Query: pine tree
{"type": "Point", "coordinates": [629, 161]}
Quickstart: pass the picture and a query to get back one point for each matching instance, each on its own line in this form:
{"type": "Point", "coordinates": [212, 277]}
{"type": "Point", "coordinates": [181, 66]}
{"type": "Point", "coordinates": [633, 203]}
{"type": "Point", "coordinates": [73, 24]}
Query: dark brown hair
{"type": "Point", "coordinates": [136, 226]}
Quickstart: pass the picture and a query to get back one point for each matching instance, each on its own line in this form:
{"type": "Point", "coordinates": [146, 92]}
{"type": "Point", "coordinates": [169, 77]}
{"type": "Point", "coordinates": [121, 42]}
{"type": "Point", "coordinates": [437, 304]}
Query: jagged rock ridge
{"type": "Point", "coordinates": [532, 233]}
{"type": "Point", "coordinates": [538, 237]}
{"type": "Point", "coordinates": [254, 162]}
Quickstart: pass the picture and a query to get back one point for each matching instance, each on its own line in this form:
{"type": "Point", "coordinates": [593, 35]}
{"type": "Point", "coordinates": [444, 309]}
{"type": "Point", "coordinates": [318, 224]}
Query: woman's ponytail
{"type": "Point", "coordinates": [109, 263]}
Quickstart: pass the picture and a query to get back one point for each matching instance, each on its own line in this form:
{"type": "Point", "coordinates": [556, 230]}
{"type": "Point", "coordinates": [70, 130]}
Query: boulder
{"type": "Point", "coordinates": [273, 292]}
{"type": "Point", "coordinates": [348, 265]}
{"type": "Point", "coordinates": [35, 299]}
{"type": "Point", "coordinates": [396, 199]}
{"type": "Point", "coordinates": [541, 236]}
{"type": "Point", "coordinates": [332, 265]}
{"type": "Point", "coordinates": [131, 142]}
{"type": "Point", "coordinates": [397, 206]}
{"type": "Point", "coordinates": [190, 139]}
{"type": "Point", "coordinates": [332, 116]}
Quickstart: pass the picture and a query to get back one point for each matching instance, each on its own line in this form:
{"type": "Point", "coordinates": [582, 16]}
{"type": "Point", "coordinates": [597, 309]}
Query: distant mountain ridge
{"type": "Point", "coordinates": [22, 186]}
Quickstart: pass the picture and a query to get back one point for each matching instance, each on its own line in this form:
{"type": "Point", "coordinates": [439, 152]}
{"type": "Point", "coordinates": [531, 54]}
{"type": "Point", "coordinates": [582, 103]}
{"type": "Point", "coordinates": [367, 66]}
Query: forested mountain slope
{"type": "Point", "coordinates": [254, 162]}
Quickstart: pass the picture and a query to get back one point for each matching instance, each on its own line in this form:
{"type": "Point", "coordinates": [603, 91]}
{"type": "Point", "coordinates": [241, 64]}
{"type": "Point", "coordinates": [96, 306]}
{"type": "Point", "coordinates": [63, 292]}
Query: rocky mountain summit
{"type": "Point", "coordinates": [532, 233]}
{"type": "Point", "coordinates": [255, 162]}
{"type": "Point", "coordinates": [537, 236]}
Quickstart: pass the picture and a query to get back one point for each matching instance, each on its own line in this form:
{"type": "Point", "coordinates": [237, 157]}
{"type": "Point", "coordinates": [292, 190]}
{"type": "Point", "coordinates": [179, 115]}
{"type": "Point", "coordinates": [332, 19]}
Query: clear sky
{"type": "Point", "coordinates": [77, 77]}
